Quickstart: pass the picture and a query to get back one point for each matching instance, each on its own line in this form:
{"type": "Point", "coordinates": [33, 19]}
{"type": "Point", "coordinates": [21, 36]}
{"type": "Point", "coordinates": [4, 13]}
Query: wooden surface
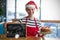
{"type": "Point", "coordinates": [5, 23]}
{"type": "Point", "coordinates": [3, 37]}
{"type": "Point", "coordinates": [52, 21]}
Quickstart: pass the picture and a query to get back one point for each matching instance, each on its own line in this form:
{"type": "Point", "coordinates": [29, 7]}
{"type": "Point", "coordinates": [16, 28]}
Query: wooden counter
{"type": "Point", "coordinates": [3, 37]}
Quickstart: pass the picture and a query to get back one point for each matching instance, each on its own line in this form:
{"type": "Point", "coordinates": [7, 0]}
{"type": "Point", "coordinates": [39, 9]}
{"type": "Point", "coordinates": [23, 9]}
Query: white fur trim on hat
{"type": "Point", "coordinates": [30, 6]}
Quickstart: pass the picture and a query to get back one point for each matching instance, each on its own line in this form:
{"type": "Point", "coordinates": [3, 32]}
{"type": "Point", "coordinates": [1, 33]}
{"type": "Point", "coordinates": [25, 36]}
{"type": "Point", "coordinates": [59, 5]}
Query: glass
{"type": "Point", "coordinates": [20, 9]}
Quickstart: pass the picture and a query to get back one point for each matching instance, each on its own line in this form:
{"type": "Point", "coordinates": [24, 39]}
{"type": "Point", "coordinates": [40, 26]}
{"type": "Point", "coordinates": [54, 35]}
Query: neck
{"type": "Point", "coordinates": [32, 17]}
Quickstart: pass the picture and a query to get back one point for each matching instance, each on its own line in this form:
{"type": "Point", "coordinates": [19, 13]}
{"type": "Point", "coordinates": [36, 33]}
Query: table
{"type": "Point", "coordinates": [3, 37]}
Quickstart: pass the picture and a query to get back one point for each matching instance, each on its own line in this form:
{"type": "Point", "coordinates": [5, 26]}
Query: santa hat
{"type": "Point", "coordinates": [31, 4]}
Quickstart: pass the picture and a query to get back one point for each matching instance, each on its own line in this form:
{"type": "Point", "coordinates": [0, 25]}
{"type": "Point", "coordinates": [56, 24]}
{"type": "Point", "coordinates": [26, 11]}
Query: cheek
{"type": "Point", "coordinates": [28, 11]}
{"type": "Point", "coordinates": [33, 12]}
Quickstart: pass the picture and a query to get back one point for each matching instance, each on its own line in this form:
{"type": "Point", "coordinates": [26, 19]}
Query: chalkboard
{"type": "Point", "coordinates": [13, 29]}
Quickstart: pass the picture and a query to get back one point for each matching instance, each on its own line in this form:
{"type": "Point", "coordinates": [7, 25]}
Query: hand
{"type": "Point", "coordinates": [45, 27]}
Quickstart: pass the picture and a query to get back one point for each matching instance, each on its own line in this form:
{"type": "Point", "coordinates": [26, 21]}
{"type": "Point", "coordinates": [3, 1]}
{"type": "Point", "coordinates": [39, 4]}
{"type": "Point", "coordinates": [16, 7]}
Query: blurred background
{"type": "Point", "coordinates": [48, 13]}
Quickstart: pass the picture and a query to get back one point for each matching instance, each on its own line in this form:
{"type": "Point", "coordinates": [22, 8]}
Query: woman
{"type": "Point", "coordinates": [32, 23]}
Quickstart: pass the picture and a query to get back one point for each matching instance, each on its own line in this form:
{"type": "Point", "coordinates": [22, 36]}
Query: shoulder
{"type": "Point", "coordinates": [24, 18]}
{"type": "Point", "coordinates": [37, 19]}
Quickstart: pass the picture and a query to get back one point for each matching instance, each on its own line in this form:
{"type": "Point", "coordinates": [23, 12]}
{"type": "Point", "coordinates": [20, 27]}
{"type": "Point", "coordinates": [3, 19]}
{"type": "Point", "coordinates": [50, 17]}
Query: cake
{"type": "Point", "coordinates": [45, 30]}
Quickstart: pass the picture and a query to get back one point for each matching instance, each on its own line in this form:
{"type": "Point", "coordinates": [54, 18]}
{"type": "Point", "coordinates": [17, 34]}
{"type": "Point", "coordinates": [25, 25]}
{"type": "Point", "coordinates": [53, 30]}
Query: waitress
{"type": "Point", "coordinates": [32, 23]}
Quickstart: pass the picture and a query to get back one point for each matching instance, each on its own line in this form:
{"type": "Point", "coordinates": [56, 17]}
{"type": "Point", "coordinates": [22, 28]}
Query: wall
{"type": "Point", "coordinates": [50, 9]}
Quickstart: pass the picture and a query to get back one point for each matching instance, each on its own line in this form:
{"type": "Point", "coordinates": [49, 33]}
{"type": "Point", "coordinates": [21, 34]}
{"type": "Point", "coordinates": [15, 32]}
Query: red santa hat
{"type": "Point", "coordinates": [31, 4]}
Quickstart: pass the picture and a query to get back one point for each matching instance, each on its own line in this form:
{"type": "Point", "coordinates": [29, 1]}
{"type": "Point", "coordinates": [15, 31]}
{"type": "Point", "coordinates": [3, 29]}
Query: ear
{"type": "Point", "coordinates": [26, 8]}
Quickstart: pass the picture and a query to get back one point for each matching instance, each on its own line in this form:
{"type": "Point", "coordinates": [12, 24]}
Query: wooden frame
{"type": "Point", "coordinates": [54, 21]}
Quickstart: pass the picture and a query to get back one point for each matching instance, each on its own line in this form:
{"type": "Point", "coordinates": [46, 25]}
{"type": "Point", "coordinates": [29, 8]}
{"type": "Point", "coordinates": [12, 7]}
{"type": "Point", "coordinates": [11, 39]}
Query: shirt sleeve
{"type": "Point", "coordinates": [23, 20]}
{"type": "Point", "coordinates": [39, 23]}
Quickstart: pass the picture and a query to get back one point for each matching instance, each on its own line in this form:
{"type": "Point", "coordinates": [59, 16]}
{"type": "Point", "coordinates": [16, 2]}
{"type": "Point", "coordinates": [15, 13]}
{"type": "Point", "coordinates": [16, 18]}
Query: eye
{"type": "Point", "coordinates": [32, 9]}
{"type": "Point", "coordinates": [27, 9]}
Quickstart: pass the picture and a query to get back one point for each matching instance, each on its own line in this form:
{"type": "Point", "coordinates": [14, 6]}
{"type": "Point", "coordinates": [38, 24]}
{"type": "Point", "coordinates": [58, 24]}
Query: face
{"type": "Point", "coordinates": [30, 11]}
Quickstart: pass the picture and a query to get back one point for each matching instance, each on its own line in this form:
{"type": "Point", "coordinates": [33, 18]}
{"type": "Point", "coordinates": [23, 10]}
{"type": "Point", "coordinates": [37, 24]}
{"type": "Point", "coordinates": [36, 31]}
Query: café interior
{"type": "Point", "coordinates": [11, 11]}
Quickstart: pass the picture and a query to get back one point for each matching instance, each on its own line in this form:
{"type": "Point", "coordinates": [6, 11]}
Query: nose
{"type": "Point", "coordinates": [30, 11]}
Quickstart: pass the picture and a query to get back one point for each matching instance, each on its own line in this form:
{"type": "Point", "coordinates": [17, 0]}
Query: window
{"type": "Point", "coordinates": [10, 10]}
{"type": "Point", "coordinates": [21, 8]}
{"type": "Point", "coordinates": [16, 9]}
{"type": "Point", "coordinates": [50, 9]}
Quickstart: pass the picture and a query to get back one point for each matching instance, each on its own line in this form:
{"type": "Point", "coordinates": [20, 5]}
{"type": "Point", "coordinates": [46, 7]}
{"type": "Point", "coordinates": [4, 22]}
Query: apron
{"type": "Point", "coordinates": [32, 31]}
